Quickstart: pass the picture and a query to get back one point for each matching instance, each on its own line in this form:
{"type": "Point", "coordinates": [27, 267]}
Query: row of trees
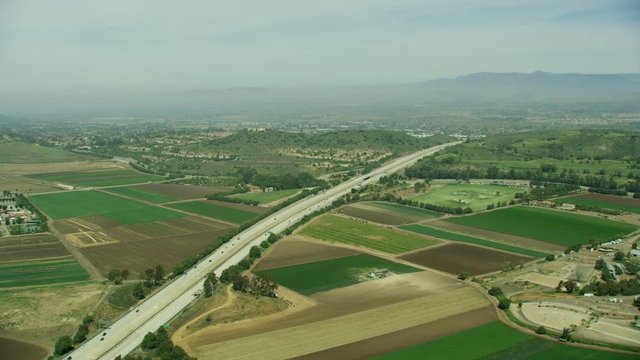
{"type": "Point", "coordinates": [65, 344]}
{"type": "Point", "coordinates": [160, 346]}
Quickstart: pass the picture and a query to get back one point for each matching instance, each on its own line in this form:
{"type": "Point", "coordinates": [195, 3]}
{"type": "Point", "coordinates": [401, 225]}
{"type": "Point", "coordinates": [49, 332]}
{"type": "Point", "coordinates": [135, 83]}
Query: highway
{"type": "Point", "coordinates": [126, 333]}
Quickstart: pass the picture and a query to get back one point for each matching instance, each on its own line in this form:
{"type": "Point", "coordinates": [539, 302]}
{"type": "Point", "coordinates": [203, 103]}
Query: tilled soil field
{"type": "Point", "coordinates": [183, 192]}
{"type": "Point", "coordinates": [294, 251]}
{"type": "Point", "coordinates": [31, 247]}
{"type": "Point", "coordinates": [456, 258]}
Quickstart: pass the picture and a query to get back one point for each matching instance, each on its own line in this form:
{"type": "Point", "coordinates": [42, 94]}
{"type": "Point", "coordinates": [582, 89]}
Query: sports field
{"type": "Point", "coordinates": [557, 227]}
{"type": "Point", "coordinates": [82, 203]}
{"type": "Point", "coordinates": [442, 234]}
{"type": "Point", "coordinates": [605, 201]}
{"type": "Point", "coordinates": [500, 342]}
{"type": "Point", "coordinates": [348, 231]}
{"type": "Point", "coordinates": [142, 194]}
{"type": "Point", "coordinates": [41, 272]}
{"type": "Point", "coordinates": [267, 197]}
{"type": "Point", "coordinates": [475, 196]}
{"type": "Point", "coordinates": [109, 177]}
{"type": "Point", "coordinates": [325, 275]}
{"type": "Point", "coordinates": [216, 210]}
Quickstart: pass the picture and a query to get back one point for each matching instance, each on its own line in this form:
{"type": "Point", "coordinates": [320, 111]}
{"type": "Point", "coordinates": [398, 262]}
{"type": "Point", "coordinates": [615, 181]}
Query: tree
{"type": "Point", "coordinates": [148, 277]}
{"type": "Point", "coordinates": [541, 330]}
{"type": "Point", "coordinates": [560, 286]}
{"type": "Point", "coordinates": [64, 344]}
{"type": "Point", "coordinates": [241, 283]}
{"type": "Point", "coordinates": [566, 334]}
{"type": "Point", "coordinates": [207, 288]}
{"type": "Point", "coordinates": [115, 276]}
{"type": "Point", "coordinates": [504, 303]}
{"type": "Point", "coordinates": [495, 291]}
{"type": "Point", "coordinates": [570, 285]}
{"type": "Point", "coordinates": [255, 252]}
{"type": "Point", "coordinates": [463, 275]}
{"type": "Point", "coordinates": [213, 279]}
{"type": "Point", "coordinates": [619, 256]}
{"type": "Point", "coordinates": [158, 275]}
{"type": "Point", "coordinates": [81, 334]}
{"type": "Point", "coordinates": [550, 257]}
{"type": "Point", "coordinates": [149, 342]}
{"type": "Point", "coordinates": [125, 274]}
{"type": "Point", "coordinates": [138, 291]}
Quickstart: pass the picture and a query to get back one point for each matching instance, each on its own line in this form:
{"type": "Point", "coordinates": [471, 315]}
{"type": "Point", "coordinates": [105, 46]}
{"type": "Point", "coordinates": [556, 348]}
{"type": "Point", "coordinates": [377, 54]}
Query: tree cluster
{"type": "Point", "coordinates": [118, 276]}
{"type": "Point", "coordinates": [160, 346]}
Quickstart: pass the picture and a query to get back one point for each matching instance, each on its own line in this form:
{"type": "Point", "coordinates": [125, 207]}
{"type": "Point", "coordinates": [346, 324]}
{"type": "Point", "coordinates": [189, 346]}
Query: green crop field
{"type": "Point", "coordinates": [605, 202]}
{"type": "Point", "coordinates": [557, 227]}
{"type": "Point", "coordinates": [331, 274]}
{"type": "Point", "coordinates": [405, 210]}
{"type": "Point", "coordinates": [215, 210]}
{"type": "Point", "coordinates": [477, 197]}
{"type": "Point", "coordinates": [442, 234]}
{"type": "Point", "coordinates": [25, 153]}
{"type": "Point", "coordinates": [70, 204]}
{"type": "Point", "coordinates": [41, 272]}
{"type": "Point", "coordinates": [141, 194]}
{"type": "Point", "coordinates": [111, 177]}
{"type": "Point", "coordinates": [348, 231]}
{"type": "Point", "coordinates": [267, 197]}
{"type": "Point", "coordinates": [497, 341]}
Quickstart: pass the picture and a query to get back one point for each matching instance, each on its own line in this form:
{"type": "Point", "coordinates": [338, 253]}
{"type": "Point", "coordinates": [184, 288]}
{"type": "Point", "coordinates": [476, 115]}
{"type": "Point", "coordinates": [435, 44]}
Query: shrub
{"type": "Point", "coordinates": [541, 330]}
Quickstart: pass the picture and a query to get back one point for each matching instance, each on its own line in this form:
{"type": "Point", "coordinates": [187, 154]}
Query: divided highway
{"type": "Point", "coordinates": [124, 335]}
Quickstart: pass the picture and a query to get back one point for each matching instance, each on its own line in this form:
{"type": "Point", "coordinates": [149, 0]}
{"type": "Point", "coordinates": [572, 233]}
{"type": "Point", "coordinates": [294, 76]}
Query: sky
{"type": "Point", "coordinates": [101, 47]}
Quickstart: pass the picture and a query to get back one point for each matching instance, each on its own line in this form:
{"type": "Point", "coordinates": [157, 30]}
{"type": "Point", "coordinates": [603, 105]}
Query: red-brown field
{"type": "Point", "coordinates": [137, 256]}
{"type": "Point", "coordinates": [456, 258]}
{"type": "Point", "coordinates": [31, 247]}
{"type": "Point", "coordinates": [183, 192]}
{"type": "Point", "coordinates": [373, 215]}
{"type": "Point", "coordinates": [293, 251]}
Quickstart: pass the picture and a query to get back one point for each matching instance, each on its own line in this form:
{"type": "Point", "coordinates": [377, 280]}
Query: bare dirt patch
{"type": "Point", "coordinates": [31, 247]}
{"type": "Point", "coordinates": [24, 185]}
{"type": "Point", "coordinates": [456, 258]}
{"type": "Point", "coordinates": [15, 349]}
{"type": "Point", "coordinates": [294, 251]}
{"type": "Point", "coordinates": [183, 192]}
{"type": "Point", "coordinates": [412, 336]}
{"type": "Point", "coordinates": [24, 169]}
{"type": "Point", "coordinates": [496, 236]}
{"type": "Point", "coordinates": [136, 256]}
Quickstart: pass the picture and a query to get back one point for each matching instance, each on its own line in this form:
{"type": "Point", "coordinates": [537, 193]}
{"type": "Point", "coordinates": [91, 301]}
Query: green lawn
{"type": "Point", "coordinates": [41, 272]}
{"type": "Point", "coordinates": [110, 177]}
{"type": "Point", "coordinates": [442, 234]}
{"type": "Point", "coordinates": [348, 231]}
{"type": "Point", "coordinates": [557, 227]}
{"type": "Point", "coordinates": [141, 194]}
{"type": "Point", "coordinates": [25, 153]}
{"type": "Point", "coordinates": [497, 341]}
{"type": "Point", "coordinates": [70, 204]}
{"type": "Point", "coordinates": [215, 210]}
{"type": "Point", "coordinates": [628, 206]}
{"type": "Point", "coordinates": [267, 197]}
{"type": "Point", "coordinates": [405, 210]}
{"type": "Point", "coordinates": [475, 196]}
{"type": "Point", "coordinates": [331, 274]}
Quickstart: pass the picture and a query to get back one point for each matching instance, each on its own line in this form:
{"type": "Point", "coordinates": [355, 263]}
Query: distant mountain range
{"type": "Point", "coordinates": [483, 88]}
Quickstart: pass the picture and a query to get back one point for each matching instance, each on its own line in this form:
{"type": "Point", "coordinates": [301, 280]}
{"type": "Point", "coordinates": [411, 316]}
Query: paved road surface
{"type": "Point", "coordinates": [124, 335]}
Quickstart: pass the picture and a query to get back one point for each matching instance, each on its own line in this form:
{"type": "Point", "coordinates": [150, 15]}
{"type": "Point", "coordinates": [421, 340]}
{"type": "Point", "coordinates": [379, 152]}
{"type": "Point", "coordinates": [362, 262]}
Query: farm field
{"type": "Point", "coordinates": [325, 275]}
{"type": "Point", "coordinates": [455, 258]}
{"type": "Point", "coordinates": [25, 153]}
{"type": "Point", "coordinates": [82, 203]}
{"type": "Point", "coordinates": [267, 197]}
{"type": "Point", "coordinates": [182, 192]}
{"type": "Point", "coordinates": [31, 247]}
{"type": "Point", "coordinates": [41, 272]}
{"type": "Point", "coordinates": [234, 213]}
{"type": "Point", "coordinates": [388, 213]}
{"type": "Point", "coordinates": [443, 234]}
{"type": "Point", "coordinates": [498, 341]}
{"type": "Point", "coordinates": [293, 251]}
{"type": "Point", "coordinates": [106, 177]}
{"type": "Point", "coordinates": [605, 201]}
{"type": "Point", "coordinates": [339, 229]}
{"type": "Point", "coordinates": [136, 256]}
{"type": "Point", "coordinates": [140, 194]}
{"type": "Point", "coordinates": [477, 197]}
{"type": "Point", "coordinates": [559, 228]}
{"type": "Point", "coordinates": [352, 327]}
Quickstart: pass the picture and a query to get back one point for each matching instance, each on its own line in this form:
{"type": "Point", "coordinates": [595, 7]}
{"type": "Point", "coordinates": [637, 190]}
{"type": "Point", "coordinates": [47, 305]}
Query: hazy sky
{"type": "Point", "coordinates": [83, 46]}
